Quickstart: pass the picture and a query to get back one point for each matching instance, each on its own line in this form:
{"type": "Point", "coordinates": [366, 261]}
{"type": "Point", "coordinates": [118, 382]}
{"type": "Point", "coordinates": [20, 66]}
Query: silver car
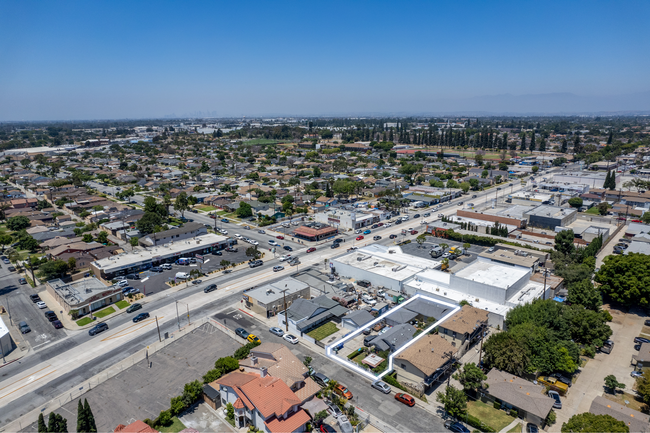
{"type": "Point", "coordinates": [381, 386]}
{"type": "Point", "coordinates": [277, 331]}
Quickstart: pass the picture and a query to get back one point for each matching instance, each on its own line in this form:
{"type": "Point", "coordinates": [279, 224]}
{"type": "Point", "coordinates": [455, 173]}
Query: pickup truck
{"type": "Point", "coordinates": [554, 384]}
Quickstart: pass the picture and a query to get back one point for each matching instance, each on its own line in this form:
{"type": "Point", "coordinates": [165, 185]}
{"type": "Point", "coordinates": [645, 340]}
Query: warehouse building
{"type": "Point", "coordinates": [85, 295]}
{"type": "Point", "coordinates": [269, 299]}
{"type": "Point", "coordinates": [136, 261]}
{"type": "Point", "coordinates": [549, 217]}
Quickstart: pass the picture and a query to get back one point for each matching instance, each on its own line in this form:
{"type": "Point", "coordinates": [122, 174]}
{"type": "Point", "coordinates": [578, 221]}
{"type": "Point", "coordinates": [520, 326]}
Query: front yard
{"type": "Point", "coordinates": [175, 427]}
{"type": "Point", "coordinates": [103, 313]}
{"type": "Point", "coordinates": [323, 331]}
{"type": "Point", "coordinates": [486, 413]}
{"type": "Point", "coordinates": [122, 304]}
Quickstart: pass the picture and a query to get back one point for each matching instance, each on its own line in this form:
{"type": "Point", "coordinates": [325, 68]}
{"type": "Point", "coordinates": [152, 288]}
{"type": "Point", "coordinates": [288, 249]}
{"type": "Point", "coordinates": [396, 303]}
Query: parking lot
{"type": "Point", "coordinates": [15, 298]}
{"type": "Point", "coordinates": [145, 391]}
{"type": "Point", "coordinates": [366, 398]}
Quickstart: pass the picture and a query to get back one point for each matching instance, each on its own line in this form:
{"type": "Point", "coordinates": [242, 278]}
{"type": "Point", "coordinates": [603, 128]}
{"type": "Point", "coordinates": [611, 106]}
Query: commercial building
{"type": "Point", "coordinates": [136, 261]}
{"type": "Point", "coordinates": [594, 179]}
{"type": "Point", "coordinates": [186, 231]}
{"type": "Point", "coordinates": [6, 343]}
{"type": "Point", "coordinates": [516, 258]}
{"type": "Point", "coordinates": [344, 219]}
{"type": "Point", "coordinates": [269, 299]}
{"type": "Point", "coordinates": [549, 217]}
{"type": "Point", "coordinates": [526, 198]}
{"type": "Point", "coordinates": [85, 295]}
{"type": "Point", "coordinates": [578, 188]}
{"type": "Point", "coordinates": [315, 231]}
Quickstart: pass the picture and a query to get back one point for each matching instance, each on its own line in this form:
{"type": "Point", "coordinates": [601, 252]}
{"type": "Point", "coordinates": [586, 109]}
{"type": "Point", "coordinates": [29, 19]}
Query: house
{"type": "Point", "coordinates": [279, 361]}
{"type": "Point", "coordinates": [635, 420]}
{"type": "Point", "coordinates": [326, 201]}
{"type": "Point", "coordinates": [464, 327]}
{"type": "Point", "coordinates": [513, 392]}
{"type": "Point", "coordinates": [357, 320]}
{"type": "Point", "coordinates": [262, 401]}
{"type": "Point", "coordinates": [135, 427]}
{"type": "Point", "coordinates": [425, 361]}
{"type": "Point", "coordinates": [307, 314]}
{"type": "Point", "coordinates": [186, 231]}
{"type": "Point", "coordinates": [394, 338]}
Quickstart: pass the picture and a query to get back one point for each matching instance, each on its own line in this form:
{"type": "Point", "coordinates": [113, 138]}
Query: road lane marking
{"type": "Point", "coordinates": [27, 384]}
{"type": "Point", "coordinates": [132, 329]}
{"type": "Point", "coordinates": [22, 378]}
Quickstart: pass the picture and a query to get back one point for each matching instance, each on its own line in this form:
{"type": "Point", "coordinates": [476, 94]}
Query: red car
{"type": "Point", "coordinates": [405, 398]}
{"type": "Point", "coordinates": [325, 428]}
{"type": "Point", "coordinates": [359, 238]}
{"type": "Point", "coordinates": [414, 232]}
{"type": "Point", "coordinates": [380, 224]}
{"type": "Point", "coordinates": [311, 250]}
{"type": "Point", "coordinates": [279, 237]}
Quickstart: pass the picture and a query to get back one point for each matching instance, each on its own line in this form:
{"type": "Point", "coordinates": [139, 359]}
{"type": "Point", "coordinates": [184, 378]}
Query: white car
{"type": "Point", "coordinates": [224, 232]}
{"type": "Point", "coordinates": [358, 232]}
{"type": "Point", "coordinates": [285, 257]}
{"type": "Point", "coordinates": [238, 236]}
{"type": "Point", "coordinates": [290, 338]}
{"type": "Point", "coordinates": [122, 283]}
{"type": "Point", "coordinates": [41, 304]}
{"type": "Point", "coordinates": [368, 300]}
{"type": "Point", "coordinates": [274, 243]}
{"type": "Point", "coordinates": [387, 225]}
{"type": "Point", "coordinates": [254, 242]}
{"type": "Point", "coordinates": [278, 268]}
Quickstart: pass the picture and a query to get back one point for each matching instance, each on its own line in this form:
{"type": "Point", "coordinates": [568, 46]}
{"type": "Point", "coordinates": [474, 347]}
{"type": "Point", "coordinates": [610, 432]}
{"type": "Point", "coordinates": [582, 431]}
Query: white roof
{"type": "Point", "coordinates": [492, 274]}
{"type": "Point", "coordinates": [3, 328]}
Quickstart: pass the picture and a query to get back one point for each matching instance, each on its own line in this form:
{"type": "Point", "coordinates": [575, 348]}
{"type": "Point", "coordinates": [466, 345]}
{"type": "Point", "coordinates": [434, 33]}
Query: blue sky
{"type": "Point", "coordinates": [118, 59]}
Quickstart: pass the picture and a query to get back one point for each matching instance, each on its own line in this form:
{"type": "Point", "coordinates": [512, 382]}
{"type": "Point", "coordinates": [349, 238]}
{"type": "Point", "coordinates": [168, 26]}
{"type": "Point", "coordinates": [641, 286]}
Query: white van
{"type": "Point", "coordinates": [182, 275]}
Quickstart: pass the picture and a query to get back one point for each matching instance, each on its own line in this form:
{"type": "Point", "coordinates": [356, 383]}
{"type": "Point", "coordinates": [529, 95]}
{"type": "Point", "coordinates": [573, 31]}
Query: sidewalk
{"type": "Point", "coordinates": [21, 347]}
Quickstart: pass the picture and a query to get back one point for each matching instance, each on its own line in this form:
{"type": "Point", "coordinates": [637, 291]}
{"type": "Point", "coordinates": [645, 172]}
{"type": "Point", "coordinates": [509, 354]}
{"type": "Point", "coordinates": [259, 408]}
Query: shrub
{"type": "Point", "coordinates": [607, 315]}
{"type": "Point", "coordinates": [514, 413]}
{"type": "Point", "coordinates": [212, 375]}
{"type": "Point", "coordinates": [497, 405]}
{"type": "Point", "coordinates": [177, 406]}
{"type": "Point", "coordinates": [589, 351]}
{"type": "Point", "coordinates": [226, 364]}
{"type": "Point", "coordinates": [389, 379]}
{"type": "Point", "coordinates": [164, 419]}
{"type": "Point", "coordinates": [550, 419]}
{"type": "Point", "coordinates": [476, 423]}
{"type": "Point", "coordinates": [148, 422]}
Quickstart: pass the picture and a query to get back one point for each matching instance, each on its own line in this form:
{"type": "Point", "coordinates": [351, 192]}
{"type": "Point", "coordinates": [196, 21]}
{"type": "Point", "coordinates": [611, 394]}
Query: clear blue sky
{"type": "Point", "coordinates": [118, 59]}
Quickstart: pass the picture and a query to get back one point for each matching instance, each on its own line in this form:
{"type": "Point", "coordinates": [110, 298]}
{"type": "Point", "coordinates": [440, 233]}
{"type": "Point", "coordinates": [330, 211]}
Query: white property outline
{"type": "Point", "coordinates": [353, 365]}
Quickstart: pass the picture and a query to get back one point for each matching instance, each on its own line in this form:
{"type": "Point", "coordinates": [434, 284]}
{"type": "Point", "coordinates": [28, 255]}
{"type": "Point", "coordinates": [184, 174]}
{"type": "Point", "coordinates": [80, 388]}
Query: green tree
{"type": "Point", "coordinates": [227, 364]}
{"type": "Point", "coordinates": [564, 242]}
{"type": "Point", "coordinates": [471, 377]}
{"type": "Point", "coordinates": [244, 210]}
{"type": "Point", "coordinates": [643, 386]}
{"type": "Point", "coordinates": [191, 201]}
{"type": "Point", "coordinates": [230, 411]}
{"type": "Point", "coordinates": [575, 202]}
{"type": "Point", "coordinates": [506, 352]}
{"type": "Point", "coordinates": [421, 239]}
{"type": "Point", "coordinates": [87, 238]}
{"type": "Point", "coordinates": [626, 279]}
{"type": "Point", "coordinates": [102, 237]}
{"type": "Point", "coordinates": [56, 423]}
{"type": "Point", "coordinates": [320, 416]}
{"type": "Point", "coordinates": [42, 428]}
{"type": "Point", "coordinates": [82, 418]}
{"type": "Point", "coordinates": [603, 208]}
{"type": "Point", "coordinates": [133, 242]}
{"type": "Point", "coordinates": [92, 426]}
{"type": "Point", "coordinates": [613, 384]}
{"type": "Point", "coordinates": [586, 294]}
{"type": "Point", "coordinates": [588, 423]}
{"type": "Point", "coordinates": [465, 186]}
{"type": "Point", "coordinates": [454, 400]}
{"type": "Point", "coordinates": [18, 223]}
{"type": "Point", "coordinates": [645, 218]}
{"type": "Point", "coordinates": [317, 171]}
{"type": "Point", "coordinates": [52, 269]}
{"type": "Point", "coordinates": [148, 222]}
{"type": "Point", "coordinates": [181, 204]}
{"type": "Point", "coordinates": [535, 168]}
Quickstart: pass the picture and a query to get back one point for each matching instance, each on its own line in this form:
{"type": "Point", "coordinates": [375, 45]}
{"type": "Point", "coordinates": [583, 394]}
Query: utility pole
{"type": "Point", "coordinates": [158, 327]}
{"type": "Point", "coordinates": [284, 296]}
{"type": "Point", "coordinates": [188, 314]}
{"type": "Point", "coordinates": [178, 320]}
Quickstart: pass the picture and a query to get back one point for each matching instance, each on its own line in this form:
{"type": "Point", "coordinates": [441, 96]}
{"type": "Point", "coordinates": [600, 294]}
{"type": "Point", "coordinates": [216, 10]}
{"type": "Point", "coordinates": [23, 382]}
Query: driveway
{"type": "Point", "coordinates": [204, 419]}
{"type": "Point", "coordinates": [590, 383]}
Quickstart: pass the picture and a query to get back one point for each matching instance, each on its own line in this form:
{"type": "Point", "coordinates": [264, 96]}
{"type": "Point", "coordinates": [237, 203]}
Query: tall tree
{"type": "Point", "coordinates": [454, 400]}
{"type": "Point", "coordinates": [626, 279]}
{"type": "Point", "coordinates": [82, 418]}
{"type": "Point", "coordinates": [532, 141]}
{"type": "Point", "coordinates": [523, 142]}
{"type": "Point", "coordinates": [181, 203]}
{"type": "Point", "coordinates": [42, 428]}
{"type": "Point", "coordinates": [565, 146]}
{"type": "Point", "coordinates": [610, 137]}
{"type": "Point", "coordinates": [92, 426]}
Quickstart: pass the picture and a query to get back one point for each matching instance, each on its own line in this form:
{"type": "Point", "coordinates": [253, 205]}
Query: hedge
{"type": "Point", "coordinates": [476, 423]}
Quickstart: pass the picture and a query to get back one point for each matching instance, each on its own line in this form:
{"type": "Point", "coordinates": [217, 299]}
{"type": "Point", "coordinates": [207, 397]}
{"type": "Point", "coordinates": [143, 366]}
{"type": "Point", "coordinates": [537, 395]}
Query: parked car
{"type": "Point", "coordinates": [166, 266]}
{"type": "Point", "coordinates": [641, 340]}
{"type": "Point", "coordinates": [140, 317]}
{"type": "Point", "coordinates": [41, 304]}
{"type": "Point", "coordinates": [381, 386]}
{"type": "Point", "coordinates": [278, 268]}
{"type": "Point", "coordinates": [34, 298]}
{"type": "Point", "coordinates": [280, 237]}
{"type": "Point", "coordinates": [57, 324]}
{"type": "Point", "coordinates": [182, 275]}
{"type": "Point", "coordinates": [276, 331]}
{"type": "Point", "coordinates": [195, 282]}
{"type": "Point", "coordinates": [555, 396]}
{"type": "Point", "coordinates": [290, 338]}
{"type": "Point", "coordinates": [288, 248]}
{"type": "Point", "coordinates": [367, 341]}
{"type": "Point", "coordinates": [364, 283]}
{"type": "Point", "coordinates": [242, 332]}
{"type": "Point", "coordinates": [11, 269]}
{"type": "Point", "coordinates": [22, 281]}
{"type": "Point", "coordinates": [217, 253]}
{"type": "Point", "coordinates": [405, 398]}
{"type": "Point", "coordinates": [252, 338]}
{"type": "Point", "coordinates": [359, 237]}
{"type": "Point", "coordinates": [321, 379]}
{"type": "Point", "coordinates": [122, 283]}
{"type": "Point", "coordinates": [636, 374]}
{"type": "Point", "coordinates": [24, 328]}
{"type": "Point", "coordinates": [100, 327]}
{"type": "Point", "coordinates": [563, 379]}
{"type": "Point", "coordinates": [456, 426]}
{"type": "Point", "coordinates": [376, 238]}
{"type": "Point", "coordinates": [334, 410]}
{"type": "Point", "coordinates": [156, 269]}
{"type": "Point", "coordinates": [532, 428]}
{"type": "Point", "coordinates": [343, 391]}
{"type": "Point", "coordinates": [51, 316]}
{"type": "Point", "coordinates": [326, 428]}
{"type": "Point", "coordinates": [133, 277]}
{"type": "Point", "coordinates": [210, 288]}
{"type": "Point", "coordinates": [311, 250]}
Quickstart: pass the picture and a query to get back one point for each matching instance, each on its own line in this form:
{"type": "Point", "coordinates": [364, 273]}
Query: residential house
{"type": "Point", "coordinates": [326, 201]}
{"type": "Point", "coordinates": [464, 328]}
{"type": "Point", "coordinates": [636, 421]}
{"type": "Point", "coordinates": [425, 361]}
{"type": "Point", "coordinates": [513, 392]}
{"type": "Point", "coordinates": [135, 427]}
{"type": "Point", "coordinates": [307, 314]}
{"type": "Point", "coordinates": [357, 320]}
{"type": "Point", "coordinates": [394, 338]}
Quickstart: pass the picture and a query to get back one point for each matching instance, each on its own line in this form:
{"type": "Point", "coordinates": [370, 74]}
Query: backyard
{"type": "Point", "coordinates": [495, 418]}
{"type": "Point", "coordinates": [323, 331]}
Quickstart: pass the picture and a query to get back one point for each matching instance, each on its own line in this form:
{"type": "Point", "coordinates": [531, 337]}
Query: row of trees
{"type": "Point", "coordinates": [57, 424]}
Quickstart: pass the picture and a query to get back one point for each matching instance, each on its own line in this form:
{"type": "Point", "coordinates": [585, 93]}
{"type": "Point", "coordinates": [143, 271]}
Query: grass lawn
{"type": "Point", "coordinates": [205, 208]}
{"type": "Point", "coordinates": [103, 313]}
{"type": "Point", "coordinates": [122, 304]}
{"type": "Point", "coordinates": [84, 321]}
{"type": "Point", "coordinates": [515, 429]}
{"type": "Point", "coordinates": [221, 212]}
{"type": "Point", "coordinates": [495, 418]}
{"type": "Point", "coordinates": [620, 398]}
{"type": "Point", "coordinates": [593, 211]}
{"type": "Point", "coordinates": [324, 331]}
{"type": "Point", "coordinates": [175, 427]}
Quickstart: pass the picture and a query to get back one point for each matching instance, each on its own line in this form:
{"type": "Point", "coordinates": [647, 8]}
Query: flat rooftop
{"type": "Point", "coordinates": [492, 274]}
{"type": "Point", "coordinates": [583, 174]}
{"type": "Point", "coordinates": [378, 265]}
{"type": "Point", "coordinates": [506, 256]}
{"type": "Point", "coordinates": [128, 259]}
{"type": "Point", "coordinates": [273, 291]}
{"type": "Point", "coordinates": [78, 291]}
{"type": "Point", "coordinates": [523, 195]}
{"type": "Point", "coordinates": [516, 212]}
{"type": "Point", "coordinates": [550, 211]}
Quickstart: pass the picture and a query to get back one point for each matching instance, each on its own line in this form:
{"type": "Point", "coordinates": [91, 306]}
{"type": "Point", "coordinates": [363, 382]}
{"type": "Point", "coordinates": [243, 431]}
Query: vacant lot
{"type": "Point", "coordinates": [495, 418]}
{"type": "Point", "coordinates": [141, 392]}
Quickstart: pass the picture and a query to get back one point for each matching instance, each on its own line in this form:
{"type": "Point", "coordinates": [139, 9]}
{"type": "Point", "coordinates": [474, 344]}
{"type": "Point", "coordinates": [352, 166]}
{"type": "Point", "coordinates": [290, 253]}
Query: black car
{"type": "Point", "coordinates": [11, 269]}
{"type": "Point", "coordinates": [398, 222]}
{"type": "Point", "coordinates": [100, 327]}
{"type": "Point", "coordinates": [531, 428]}
{"type": "Point", "coordinates": [288, 248]}
{"type": "Point", "coordinates": [364, 283]}
{"type": "Point", "coordinates": [417, 215]}
{"type": "Point", "coordinates": [134, 307]}
{"type": "Point", "coordinates": [335, 245]}
{"type": "Point", "coordinates": [565, 380]}
{"type": "Point", "coordinates": [456, 426]}
{"type": "Point", "coordinates": [641, 340]}
{"type": "Point", "coordinates": [217, 253]}
{"type": "Point", "coordinates": [57, 324]}
{"type": "Point", "coordinates": [338, 240]}
{"type": "Point", "coordinates": [22, 281]}
{"type": "Point", "coordinates": [647, 323]}
{"type": "Point", "coordinates": [210, 288]}
{"type": "Point", "coordinates": [133, 277]}
{"type": "Point", "coordinates": [392, 236]}
{"type": "Point", "coordinates": [242, 332]}
{"type": "Point", "coordinates": [34, 298]}
{"type": "Point", "coordinates": [140, 317]}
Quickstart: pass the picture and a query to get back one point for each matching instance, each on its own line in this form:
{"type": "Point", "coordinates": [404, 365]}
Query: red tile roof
{"type": "Point", "coordinates": [239, 404]}
{"type": "Point", "coordinates": [292, 423]}
{"type": "Point", "coordinates": [271, 396]}
{"type": "Point", "coordinates": [135, 427]}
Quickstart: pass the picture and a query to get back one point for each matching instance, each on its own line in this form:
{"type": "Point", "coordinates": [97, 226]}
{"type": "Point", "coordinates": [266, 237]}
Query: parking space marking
{"type": "Point", "coordinates": [132, 329]}
{"type": "Point", "coordinates": [26, 377]}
